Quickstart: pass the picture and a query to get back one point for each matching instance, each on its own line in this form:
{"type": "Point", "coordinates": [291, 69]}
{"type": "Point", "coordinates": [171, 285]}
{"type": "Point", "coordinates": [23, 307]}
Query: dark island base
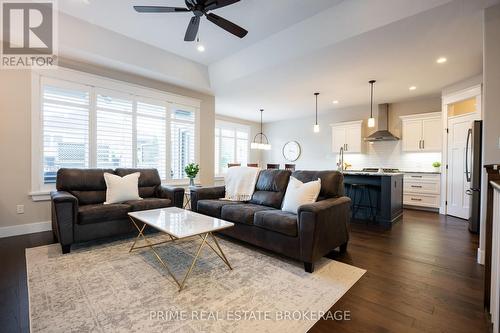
{"type": "Point", "coordinates": [386, 192]}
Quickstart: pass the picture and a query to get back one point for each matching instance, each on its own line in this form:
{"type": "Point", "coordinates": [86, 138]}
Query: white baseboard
{"type": "Point", "coordinates": [24, 229]}
{"type": "Point", "coordinates": [480, 256]}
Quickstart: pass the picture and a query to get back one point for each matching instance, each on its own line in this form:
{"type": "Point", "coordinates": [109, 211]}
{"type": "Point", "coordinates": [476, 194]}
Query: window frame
{"type": "Point", "coordinates": [224, 124]}
{"type": "Point", "coordinates": [71, 79]}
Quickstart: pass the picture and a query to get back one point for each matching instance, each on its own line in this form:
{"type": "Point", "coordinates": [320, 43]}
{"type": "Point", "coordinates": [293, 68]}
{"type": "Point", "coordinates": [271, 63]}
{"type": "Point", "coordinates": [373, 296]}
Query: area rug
{"type": "Point", "coordinates": [104, 288]}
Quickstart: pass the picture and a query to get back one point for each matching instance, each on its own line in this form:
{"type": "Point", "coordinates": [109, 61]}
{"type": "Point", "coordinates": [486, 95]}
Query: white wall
{"type": "Point", "coordinates": [317, 148]}
{"type": "Point", "coordinates": [491, 100]}
{"type": "Point", "coordinates": [15, 139]}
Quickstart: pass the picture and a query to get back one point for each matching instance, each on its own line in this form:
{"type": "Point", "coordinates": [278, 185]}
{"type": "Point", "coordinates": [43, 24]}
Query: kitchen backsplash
{"type": "Point", "coordinates": [388, 154]}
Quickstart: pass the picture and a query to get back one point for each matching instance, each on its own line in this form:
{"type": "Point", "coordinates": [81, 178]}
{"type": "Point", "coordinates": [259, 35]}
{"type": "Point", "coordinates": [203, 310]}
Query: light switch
{"type": "Point", "coordinates": [20, 209]}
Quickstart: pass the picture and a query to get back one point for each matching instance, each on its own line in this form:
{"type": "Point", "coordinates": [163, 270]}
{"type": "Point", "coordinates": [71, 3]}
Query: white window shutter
{"type": "Point", "coordinates": [65, 128]}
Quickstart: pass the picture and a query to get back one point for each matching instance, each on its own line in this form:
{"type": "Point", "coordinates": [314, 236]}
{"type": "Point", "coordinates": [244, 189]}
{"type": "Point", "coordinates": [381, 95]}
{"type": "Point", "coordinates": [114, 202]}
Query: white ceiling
{"type": "Point", "coordinates": [166, 31]}
{"type": "Point", "coordinates": [297, 47]}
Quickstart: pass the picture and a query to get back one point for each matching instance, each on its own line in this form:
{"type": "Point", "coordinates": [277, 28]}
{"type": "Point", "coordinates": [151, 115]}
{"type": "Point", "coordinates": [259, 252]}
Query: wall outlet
{"type": "Point", "coordinates": [20, 209]}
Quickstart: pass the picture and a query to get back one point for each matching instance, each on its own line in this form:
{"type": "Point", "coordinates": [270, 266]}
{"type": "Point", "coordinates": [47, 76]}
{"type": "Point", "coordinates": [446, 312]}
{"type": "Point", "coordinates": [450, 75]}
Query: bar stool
{"type": "Point", "coordinates": [290, 167]}
{"type": "Point", "coordinates": [273, 166]}
{"type": "Point", "coordinates": [253, 165]}
{"type": "Point", "coordinates": [362, 191]}
{"type": "Point", "coordinates": [230, 165]}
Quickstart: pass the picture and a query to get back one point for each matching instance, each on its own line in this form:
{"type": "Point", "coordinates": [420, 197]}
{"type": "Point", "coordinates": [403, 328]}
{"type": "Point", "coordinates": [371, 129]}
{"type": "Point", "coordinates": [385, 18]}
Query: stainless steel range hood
{"type": "Point", "coordinates": [382, 123]}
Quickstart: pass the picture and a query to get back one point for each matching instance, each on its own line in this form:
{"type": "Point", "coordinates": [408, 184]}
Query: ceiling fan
{"type": "Point", "coordinates": [199, 8]}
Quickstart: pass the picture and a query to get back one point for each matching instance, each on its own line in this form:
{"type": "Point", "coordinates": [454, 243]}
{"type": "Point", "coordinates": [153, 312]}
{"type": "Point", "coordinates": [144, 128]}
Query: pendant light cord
{"type": "Point", "coordinates": [261, 132]}
{"type": "Point", "coordinates": [371, 98]}
{"type": "Point", "coordinates": [316, 94]}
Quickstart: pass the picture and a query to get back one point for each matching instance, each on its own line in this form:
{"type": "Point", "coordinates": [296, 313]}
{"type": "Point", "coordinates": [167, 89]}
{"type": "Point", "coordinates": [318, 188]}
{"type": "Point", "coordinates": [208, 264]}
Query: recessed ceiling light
{"type": "Point", "coordinates": [441, 60]}
{"type": "Point", "coordinates": [335, 102]}
{"type": "Point", "coordinates": [413, 88]}
{"type": "Point", "coordinates": [200, 48]}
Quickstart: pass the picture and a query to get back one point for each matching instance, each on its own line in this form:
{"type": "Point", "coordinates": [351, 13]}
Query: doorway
{"type": "Point", "coordinates": [458, 199]}
{"type": "Point", "coordinates": [460, 110]}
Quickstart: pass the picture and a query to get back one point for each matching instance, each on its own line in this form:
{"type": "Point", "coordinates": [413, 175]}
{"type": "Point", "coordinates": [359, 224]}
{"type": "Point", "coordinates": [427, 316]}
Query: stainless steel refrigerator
{"type": "Point", "coordinates": [473, 172]}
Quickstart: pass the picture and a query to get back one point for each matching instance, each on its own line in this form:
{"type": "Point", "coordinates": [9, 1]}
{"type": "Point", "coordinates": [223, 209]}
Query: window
{"type": "Point", "coordinates": [151, 135]}
{"type": "Point", "coordinates": [182, 131]}
{"type": "Point", "coordinates": [85, 126]}
{"type": "Point", "coordinates": [231, 145]}
{"type": "Point", "coordinates": [65, 129]}
{"type": "Point", "coordinates": [114, 132]}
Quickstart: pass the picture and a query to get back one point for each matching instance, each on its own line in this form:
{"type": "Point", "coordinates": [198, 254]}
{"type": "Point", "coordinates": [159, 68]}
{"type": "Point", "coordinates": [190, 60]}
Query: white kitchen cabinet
{"type": "Point", "coordinates": [347, 135]}
{"type": "Point", "coordinates": [422, 190]}
{"type": "Point", "coordinates": [422, 132]}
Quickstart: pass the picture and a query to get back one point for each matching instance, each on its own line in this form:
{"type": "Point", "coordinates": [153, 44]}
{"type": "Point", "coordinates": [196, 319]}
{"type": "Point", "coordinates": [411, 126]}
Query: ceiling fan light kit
{"type": "Point", "coordinates": [199, 8]}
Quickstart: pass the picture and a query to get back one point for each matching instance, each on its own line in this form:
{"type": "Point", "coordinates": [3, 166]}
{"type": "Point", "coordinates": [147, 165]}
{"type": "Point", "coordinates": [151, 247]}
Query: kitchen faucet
{"type": "Point", "coordinates": [341, 159]}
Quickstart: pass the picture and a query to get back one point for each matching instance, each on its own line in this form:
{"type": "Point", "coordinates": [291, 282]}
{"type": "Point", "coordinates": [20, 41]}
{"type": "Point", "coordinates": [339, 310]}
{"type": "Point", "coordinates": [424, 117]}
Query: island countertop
{"type": "Point", "coordinates": [367, 173]}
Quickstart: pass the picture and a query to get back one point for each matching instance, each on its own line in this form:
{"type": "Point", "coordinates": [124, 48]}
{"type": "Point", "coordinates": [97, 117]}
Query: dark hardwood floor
{"type": "Point", "coordinates": [421, 277]}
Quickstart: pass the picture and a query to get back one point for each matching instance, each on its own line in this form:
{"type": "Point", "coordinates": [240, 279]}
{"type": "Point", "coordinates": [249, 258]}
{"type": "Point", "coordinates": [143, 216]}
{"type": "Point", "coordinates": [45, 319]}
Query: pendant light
{"type": "Point", "coordinates": [371, 120]}
{"type": "Point", "coordinates": [258, 143]}
{"type": "Point", "coordinates": [316, 126]}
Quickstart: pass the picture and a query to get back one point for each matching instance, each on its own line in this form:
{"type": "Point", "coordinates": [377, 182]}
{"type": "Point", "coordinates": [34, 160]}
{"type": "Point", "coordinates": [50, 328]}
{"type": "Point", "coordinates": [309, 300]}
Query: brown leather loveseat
{"type": "Point", "coordinates": [310, 234]}
{"type": "Point", "coordinates": [78, 212]}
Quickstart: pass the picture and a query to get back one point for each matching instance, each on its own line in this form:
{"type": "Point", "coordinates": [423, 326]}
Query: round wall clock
{"type": "Point", "coordinates": [291, 151]}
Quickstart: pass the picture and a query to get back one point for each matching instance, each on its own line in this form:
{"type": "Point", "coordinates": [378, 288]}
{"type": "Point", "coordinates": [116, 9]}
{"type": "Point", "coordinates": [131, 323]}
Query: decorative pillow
{"type": "Point", "coordinates": [299, 193]}
{"type": "Point", "coordinates": [120, 189]}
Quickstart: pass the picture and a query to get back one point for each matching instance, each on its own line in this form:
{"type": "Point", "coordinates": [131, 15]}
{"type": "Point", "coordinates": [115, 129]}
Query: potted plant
{"type": "Point", "coordinates": [192, 170]}
{"type": "Point", "coordinates": [437, 166]}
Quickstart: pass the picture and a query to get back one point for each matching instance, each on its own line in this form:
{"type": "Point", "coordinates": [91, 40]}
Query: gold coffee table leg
{"type": "Point", "coordinates": [204, 237]}
{"type": "Point", "coordinates": [150, 245]}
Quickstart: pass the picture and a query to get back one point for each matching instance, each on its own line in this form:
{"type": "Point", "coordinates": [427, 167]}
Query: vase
{"type": "Point", "coordinates": [191, 181]}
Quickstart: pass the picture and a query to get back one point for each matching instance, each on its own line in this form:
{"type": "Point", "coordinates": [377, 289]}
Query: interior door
{"type": "Point", "coordinates": [458, 199]}
{"type": "Point", "coordinates": [353, 139]}
{"type": "Point", "coordinates": [338, 138]}
{"type": "Point", "coordinates": [412, 135]}
{"type": "Point", "coordinates": [432, 134]}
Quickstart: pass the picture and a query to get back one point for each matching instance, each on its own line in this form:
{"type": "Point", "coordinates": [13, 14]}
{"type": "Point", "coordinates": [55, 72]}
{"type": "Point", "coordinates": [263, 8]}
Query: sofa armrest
{"type": "Point", "coordinates": [64, 213]}
{"type": "Point", "coordinates": [175, 194]}
{"type": "Point", "coordinates": [204, 193]}
{"type": "Point", "coordinates": [323, 226]}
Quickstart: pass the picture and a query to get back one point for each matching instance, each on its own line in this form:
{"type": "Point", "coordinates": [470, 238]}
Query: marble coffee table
{"type": "Point", "coordinates": [179, 224]}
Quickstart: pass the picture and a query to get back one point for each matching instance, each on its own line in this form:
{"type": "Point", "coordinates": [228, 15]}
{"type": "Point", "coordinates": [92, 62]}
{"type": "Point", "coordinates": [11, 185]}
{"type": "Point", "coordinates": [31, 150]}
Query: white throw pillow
{"type": "Point", "coordinates": [299, 193]}
{"type": "Point", "coordinates": [120, 189]}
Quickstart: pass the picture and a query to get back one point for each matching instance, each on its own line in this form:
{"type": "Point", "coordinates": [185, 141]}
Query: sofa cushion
{"type": "Point", "coordinates": [148, 181]}
{"type": "Point", "coordinates": [270, 188]}
{"type": "Point", "coordinates": [88, 214]}
{"type": "Point", "coordinates": [148, 203]}
{"type": "Point", "coordinates": [213, 207]}
{"type": "Point", "coordinates": [242, 213]}
{"type": "Point", "coordinates": [277, 221]}
{"type": "Point", "coordinates": [332, 182]}
{"type": "Point", "coordinates": [87, 185]}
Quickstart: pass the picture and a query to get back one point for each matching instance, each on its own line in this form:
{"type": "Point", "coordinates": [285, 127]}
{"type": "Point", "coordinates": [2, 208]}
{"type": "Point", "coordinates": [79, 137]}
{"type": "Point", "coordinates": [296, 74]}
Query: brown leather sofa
{"type": "Point", "coordinates": [307, 236]}
{"type": "Point", "coordinates": [78, 212]}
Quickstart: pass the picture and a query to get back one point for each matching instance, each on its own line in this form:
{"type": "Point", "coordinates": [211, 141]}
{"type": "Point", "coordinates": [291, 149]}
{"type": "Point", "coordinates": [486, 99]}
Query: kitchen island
{"type": "Point", "coordinates": [386, 192]}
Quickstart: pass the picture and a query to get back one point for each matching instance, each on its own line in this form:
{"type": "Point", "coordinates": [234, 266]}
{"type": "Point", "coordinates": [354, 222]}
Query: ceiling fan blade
{"type": "Point", "coordinates": [227, 25]}
{"type": "Point", "coordinates": [157, 9]}
{"type": "Point", "coordinates": [214, 4]}
{"type": "Point", "coordinates": [192, 29]}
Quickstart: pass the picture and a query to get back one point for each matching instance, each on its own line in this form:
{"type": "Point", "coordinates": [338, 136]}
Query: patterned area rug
{"type": "Point", "coordinates": [102, 288]}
